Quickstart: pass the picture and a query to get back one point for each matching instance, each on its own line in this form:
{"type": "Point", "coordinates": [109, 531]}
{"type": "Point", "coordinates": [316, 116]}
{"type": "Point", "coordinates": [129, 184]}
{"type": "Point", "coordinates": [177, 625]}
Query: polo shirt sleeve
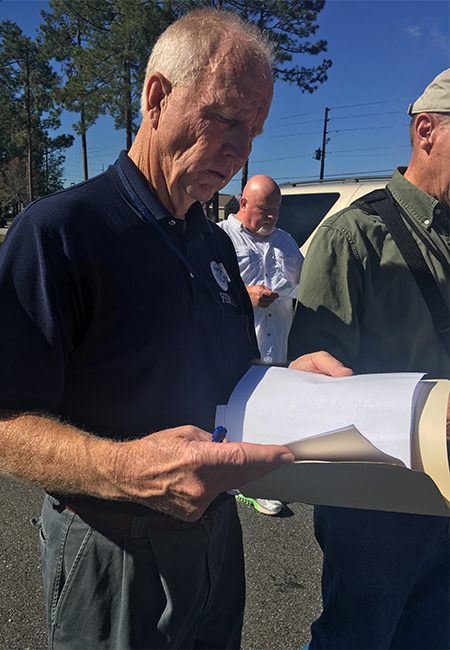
{"type": "Point", "coordinates": [329, 298]}
{"type": "Point", "coordinates": [34, 338]}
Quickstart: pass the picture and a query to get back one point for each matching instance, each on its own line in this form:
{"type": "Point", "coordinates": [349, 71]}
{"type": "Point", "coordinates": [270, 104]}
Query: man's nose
{"type": "Point", "coordinates": [238, 145]}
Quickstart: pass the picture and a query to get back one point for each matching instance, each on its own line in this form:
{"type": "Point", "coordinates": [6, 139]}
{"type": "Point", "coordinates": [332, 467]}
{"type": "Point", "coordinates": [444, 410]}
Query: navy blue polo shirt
{"type": "Point", "coordinates": [104, 326]}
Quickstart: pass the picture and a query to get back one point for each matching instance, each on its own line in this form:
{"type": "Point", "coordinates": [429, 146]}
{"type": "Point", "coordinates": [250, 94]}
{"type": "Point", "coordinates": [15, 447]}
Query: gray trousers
{"type": "Point", "coordinates": [107, 589]}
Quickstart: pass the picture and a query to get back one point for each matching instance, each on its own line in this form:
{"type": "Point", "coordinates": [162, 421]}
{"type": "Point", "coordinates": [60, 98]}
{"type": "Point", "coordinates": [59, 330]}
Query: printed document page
{"type": "Point", "coordinates": [281, 406]}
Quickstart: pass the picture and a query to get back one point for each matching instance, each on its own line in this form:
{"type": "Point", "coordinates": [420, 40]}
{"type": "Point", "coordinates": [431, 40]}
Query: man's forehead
{"type": "Point", "coordinates": [263, 195]}
{"type": "Point", "coordinates": [269, 202]}
{"type": "Point", "coordinates": [236, 58]}
{"type": "Point", "coordinates": [235, 86]}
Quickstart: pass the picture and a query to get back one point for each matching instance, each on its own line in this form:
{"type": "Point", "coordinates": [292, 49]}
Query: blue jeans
{"type": "Point", "coordinates": [108, 589]}
{"type": "Point", "coordinates": [385, 580]}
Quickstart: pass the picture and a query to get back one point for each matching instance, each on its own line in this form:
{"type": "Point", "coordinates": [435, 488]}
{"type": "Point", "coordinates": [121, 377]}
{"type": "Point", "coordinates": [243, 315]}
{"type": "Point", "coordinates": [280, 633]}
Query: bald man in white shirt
{"type": "Point", "coordinates": [269, 263]}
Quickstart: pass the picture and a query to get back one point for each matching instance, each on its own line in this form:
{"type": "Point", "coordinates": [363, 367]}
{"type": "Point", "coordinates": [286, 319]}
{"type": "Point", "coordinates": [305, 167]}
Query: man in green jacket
{"type": "Point", "coordinates": [385, 581]}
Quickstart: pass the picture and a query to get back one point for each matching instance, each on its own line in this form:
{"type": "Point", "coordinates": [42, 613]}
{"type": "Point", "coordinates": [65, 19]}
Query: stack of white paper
{"type": "Point", "coordinates": [362, 417]}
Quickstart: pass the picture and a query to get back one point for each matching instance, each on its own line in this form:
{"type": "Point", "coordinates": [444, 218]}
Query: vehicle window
{"type": "Point", "coordinates": [301, 213]}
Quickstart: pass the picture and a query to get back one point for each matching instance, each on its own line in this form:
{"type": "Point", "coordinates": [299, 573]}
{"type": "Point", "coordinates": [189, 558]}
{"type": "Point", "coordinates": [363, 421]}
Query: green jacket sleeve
{"type": "Point", "coordinates": [330, 298]}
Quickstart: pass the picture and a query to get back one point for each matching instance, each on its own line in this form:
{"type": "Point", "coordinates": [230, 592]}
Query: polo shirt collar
{"type": "Point", "coordinates": [234, 221]}
{"type": "Point", "coordinates": [195, 216]}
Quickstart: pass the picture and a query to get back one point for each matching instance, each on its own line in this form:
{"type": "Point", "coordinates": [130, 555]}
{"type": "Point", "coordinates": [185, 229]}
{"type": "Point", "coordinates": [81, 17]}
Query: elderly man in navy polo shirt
{"type": "Point", "coordinates": [127, 322]}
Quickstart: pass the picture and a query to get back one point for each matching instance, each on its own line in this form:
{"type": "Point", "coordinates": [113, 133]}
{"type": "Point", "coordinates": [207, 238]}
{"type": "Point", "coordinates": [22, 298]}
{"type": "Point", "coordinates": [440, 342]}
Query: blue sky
{"type": "Point", "coordinates": [384, 53]}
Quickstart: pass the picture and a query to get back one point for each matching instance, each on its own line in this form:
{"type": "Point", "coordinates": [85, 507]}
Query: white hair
{"type": "Point", "coordinates": [183, 51]}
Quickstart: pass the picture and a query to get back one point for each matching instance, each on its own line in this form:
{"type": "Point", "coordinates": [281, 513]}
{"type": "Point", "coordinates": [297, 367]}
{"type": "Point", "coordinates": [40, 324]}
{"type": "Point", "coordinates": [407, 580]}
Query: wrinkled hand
{"type": "Point", "coordinates": [261, 296]}
{"type": "Point", "coordinates": [180, 471]}
{"type": "Point", "coordinates": [321, 363]}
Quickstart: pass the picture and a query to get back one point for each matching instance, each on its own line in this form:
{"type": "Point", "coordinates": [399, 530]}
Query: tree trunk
{"type": "Point", "coordinates": [29, 141]}
{"type": "Point", "coordinates": [128, 112]}
{"type": "Point", "coordinates": [84, 146]}
{"type": "Point", "coordinates": [83, 122]}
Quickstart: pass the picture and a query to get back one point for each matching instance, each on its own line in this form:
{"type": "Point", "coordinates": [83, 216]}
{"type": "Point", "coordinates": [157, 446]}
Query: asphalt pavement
{"type": "Point", "coordinates": [283, 565]}
{"type": "Point", "coordinates": [22, 613]}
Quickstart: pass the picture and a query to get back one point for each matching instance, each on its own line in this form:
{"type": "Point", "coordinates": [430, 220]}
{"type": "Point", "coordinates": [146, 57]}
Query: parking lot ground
{"type": "Point", "coordinates": [283, 564]}
{"type": "Point", "coordinates": [283, 568]}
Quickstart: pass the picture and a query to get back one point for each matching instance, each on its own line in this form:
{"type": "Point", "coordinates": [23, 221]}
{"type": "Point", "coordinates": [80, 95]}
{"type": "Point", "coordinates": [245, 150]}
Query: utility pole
{"type": "Point", "coordinates": [324, 142]}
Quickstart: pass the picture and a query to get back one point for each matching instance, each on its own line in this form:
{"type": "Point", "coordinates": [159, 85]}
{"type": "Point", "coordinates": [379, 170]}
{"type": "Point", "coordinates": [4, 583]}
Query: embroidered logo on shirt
{"type": "Point", "coordinates": [220, 275]}
{"type": "Point", "coordinates": [227, 299]}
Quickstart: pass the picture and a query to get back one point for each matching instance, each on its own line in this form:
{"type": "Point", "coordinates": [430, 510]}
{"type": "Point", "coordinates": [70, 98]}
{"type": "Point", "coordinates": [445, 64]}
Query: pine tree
{"type": "Point", "coordinates": [28, 83]}
{"type": "Point", "coordinates": [67, 37]}
{"type": "Point", "coordinates": [104, 46]}
{"type": "Point", "coordinates": [132, 29]}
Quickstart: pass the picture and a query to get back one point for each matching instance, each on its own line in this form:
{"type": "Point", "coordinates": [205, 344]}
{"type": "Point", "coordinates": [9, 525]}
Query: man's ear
{"type": "Point", "coordinates": [157, 90]}
{"type": "Point", "coordinates": [424, 128]}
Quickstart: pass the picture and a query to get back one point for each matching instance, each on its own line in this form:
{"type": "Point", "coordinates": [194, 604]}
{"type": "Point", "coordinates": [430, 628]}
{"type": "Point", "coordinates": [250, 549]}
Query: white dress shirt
{"type": "Point", "coordinates": [274, 261]}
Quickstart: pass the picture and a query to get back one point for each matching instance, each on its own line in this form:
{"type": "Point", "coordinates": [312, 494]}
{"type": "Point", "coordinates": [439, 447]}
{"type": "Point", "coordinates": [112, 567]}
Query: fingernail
{"type": "Point", "coordinates": [287, 458]}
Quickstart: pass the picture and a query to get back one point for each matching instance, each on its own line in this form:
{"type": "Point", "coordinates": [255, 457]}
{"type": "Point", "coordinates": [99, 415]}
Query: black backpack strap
{"type": "Point", "coordinates": [381, 202]}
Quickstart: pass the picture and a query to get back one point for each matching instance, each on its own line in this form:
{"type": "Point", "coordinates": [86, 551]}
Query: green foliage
{"type": "Point", "coordinates": [132, 31]}
{"type": "Point", "coordinates": [27, 84]}
{"type": "Point", "coordinates": [101, 48]}
{"type": "Point", "coordinates": [67, 37]}
{"type": "Point", "coordinates": [104, 46]}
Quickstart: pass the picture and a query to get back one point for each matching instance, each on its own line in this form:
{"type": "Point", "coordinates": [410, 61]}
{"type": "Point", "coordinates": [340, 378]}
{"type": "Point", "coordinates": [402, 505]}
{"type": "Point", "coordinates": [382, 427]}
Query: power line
{"type": "Point", "coordinates": [340, 151]}
{"type": "Point", "coordinates": [288, 117]}
{"type": "Point", "coordinates": [283, 126]}
{"type": "Point", "coordinates": [294, 135]}
{"type": "Point", "coordinates": [343, 117]}
{"type": "Point", "coordinates": [370, 149]}
{"type": "Point", "coordinates": [360, 128]}
{"type": "Point", "coordinates": [335, 108]}
{"type": "Point", "coordinates": [369, 128]}
{"type": "Point", "coordinates": [351, 117]}
{"type": "Point", "coordinates": [345, 175]}
{"type": "Point", "coordinates": [385, 101]}
{"type": "Point", "coordinates": [304, 155]}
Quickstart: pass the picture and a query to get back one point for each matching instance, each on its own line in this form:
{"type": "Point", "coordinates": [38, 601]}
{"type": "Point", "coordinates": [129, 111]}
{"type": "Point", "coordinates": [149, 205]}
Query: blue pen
{"type": "Point", "coordinates": [219, 434]}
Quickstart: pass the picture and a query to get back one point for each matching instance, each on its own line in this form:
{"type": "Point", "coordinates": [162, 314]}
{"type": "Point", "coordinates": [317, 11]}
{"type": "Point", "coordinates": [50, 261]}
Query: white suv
{"type": "Point", "coordinates": [306, 205]}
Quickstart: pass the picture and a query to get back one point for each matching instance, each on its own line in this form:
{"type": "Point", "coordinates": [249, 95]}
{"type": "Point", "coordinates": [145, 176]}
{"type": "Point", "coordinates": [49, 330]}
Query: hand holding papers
{"type": "Point", "coordinates": [353, 437]}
